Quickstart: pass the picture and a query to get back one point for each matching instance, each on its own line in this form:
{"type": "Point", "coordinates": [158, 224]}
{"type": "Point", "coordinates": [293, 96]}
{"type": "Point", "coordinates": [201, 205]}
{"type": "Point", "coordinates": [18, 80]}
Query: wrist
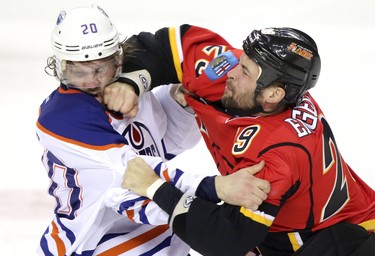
{"type": "Point", "coordinates": [151, 190]}
{"type": "Point", "coordinates": [207, 189]}
{"type": "Point", "coordinates": [178, 95]}
{"type": "Point", "coordinates": [218, 187]}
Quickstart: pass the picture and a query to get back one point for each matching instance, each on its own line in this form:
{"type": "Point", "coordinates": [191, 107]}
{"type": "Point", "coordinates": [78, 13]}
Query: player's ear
{"type": "Point", "coordinates": [273, 94]}
{"type": "Point", "coordinates": [279, 94]}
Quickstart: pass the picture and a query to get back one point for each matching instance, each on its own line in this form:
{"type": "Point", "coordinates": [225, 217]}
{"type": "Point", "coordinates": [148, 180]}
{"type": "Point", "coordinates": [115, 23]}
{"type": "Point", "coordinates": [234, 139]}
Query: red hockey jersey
{"type": "Point", "coordinates": [312, 187]}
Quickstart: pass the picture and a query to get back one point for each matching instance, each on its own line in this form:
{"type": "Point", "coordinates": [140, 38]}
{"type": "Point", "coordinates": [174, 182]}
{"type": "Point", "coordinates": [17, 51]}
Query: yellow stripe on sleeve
{"type": "Point", "coordinates": [258, 216]}
{"type": "Point", "coordinates": [175, 52]}
{"type": "Point", "coordinates": [295, 240]}
{"type": "Point", "coordinates": [368, 225]}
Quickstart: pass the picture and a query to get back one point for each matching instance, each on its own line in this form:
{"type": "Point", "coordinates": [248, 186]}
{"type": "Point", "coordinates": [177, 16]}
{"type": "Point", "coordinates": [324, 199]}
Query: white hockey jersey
{"type": "Point", "coordinates": [86, 152]}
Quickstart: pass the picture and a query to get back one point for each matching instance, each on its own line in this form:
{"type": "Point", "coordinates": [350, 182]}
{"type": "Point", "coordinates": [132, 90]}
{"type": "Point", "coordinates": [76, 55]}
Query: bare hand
{"type": "Point", "coordinates": [120, 97]}
{"type": "Point", "coordinates": [178, 94]}
{"type": "Point", "coordinates": [138, 176]}
{"type": "Point", "coordinates": [242, 188]}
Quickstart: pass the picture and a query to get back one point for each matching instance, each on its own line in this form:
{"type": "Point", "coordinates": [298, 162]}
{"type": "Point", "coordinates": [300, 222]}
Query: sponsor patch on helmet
{"type": "Point", "coordinates": [300, 50]}
{"type": "Point", "coordinates": [219, 66]}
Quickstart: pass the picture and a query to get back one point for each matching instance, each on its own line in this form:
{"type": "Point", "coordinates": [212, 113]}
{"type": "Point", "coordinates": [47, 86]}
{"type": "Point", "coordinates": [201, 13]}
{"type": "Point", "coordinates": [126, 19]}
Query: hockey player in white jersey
{"type": "Point", "coordinates": [87, 147]}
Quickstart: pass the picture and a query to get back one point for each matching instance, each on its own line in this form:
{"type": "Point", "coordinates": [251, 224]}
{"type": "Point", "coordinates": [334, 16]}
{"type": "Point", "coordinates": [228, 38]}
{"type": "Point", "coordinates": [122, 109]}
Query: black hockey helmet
{"type": "Point", "coordinates": [287, 55]}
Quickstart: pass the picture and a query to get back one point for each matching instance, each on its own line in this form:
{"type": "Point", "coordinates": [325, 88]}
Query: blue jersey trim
{"type": "Point", "coordinates": [78, 117]}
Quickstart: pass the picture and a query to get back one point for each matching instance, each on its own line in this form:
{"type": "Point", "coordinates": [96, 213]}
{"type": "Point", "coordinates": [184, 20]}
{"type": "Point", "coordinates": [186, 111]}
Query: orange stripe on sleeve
{"type": "Point", "coordinates": [130, 214]}
{"type": "Point", "coordinates": [146, 202]}
{"type": "Point", "coordinates": [166, 175]}
{"type": "Point", "coordinates": [136, 241]}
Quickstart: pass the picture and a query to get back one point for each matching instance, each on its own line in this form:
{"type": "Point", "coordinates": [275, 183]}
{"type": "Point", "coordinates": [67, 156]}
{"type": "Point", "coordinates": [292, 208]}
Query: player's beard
{"type": "Point", "coordinates": [234, 100]}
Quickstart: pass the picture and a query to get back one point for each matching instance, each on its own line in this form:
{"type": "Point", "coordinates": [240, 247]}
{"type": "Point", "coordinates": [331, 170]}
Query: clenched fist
{"type": "Point", "coordinates": [120, 97]}
{"type": "Point", "coordinates": [138, 176]}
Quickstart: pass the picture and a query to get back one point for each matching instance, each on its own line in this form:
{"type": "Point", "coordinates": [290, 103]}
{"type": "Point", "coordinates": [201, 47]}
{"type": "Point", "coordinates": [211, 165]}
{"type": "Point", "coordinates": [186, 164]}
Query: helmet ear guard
{"type": "Point", "coordinates": [285, 55]}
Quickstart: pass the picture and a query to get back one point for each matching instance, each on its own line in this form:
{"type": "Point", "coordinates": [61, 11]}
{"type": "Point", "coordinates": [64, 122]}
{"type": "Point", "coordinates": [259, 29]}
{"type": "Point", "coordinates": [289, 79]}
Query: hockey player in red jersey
{"type": "Point", "coordinates": [251, 105]}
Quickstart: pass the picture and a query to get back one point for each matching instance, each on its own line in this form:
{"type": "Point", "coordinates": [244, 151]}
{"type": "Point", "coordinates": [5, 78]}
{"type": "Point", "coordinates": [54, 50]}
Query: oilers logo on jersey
{"type": "Point", "coordinates": [141, 140]}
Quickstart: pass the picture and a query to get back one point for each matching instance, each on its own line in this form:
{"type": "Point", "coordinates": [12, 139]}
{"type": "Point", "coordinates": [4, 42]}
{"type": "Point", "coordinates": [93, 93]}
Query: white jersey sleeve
{"type": "Point", "coordinates": [182, 130]}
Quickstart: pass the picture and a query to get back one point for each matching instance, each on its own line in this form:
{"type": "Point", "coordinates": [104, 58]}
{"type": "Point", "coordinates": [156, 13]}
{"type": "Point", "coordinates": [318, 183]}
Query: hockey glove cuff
{"type": "Point", "coordinates": [140, 80]}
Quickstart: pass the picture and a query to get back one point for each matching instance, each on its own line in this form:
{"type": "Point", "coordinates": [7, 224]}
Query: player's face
{"type": "Point", "coordinates": [241, 85]}
{"type": "Point", "coordinates": [91, 76]}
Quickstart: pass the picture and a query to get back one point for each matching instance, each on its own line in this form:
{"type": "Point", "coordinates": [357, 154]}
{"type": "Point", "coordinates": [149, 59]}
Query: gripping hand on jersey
{"type": "Point", "coordinates": [145, 175]}
{"type": "Point", "coordinates": [138, 177]}
{"type": "Point", "coordinates": [240, 188]}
